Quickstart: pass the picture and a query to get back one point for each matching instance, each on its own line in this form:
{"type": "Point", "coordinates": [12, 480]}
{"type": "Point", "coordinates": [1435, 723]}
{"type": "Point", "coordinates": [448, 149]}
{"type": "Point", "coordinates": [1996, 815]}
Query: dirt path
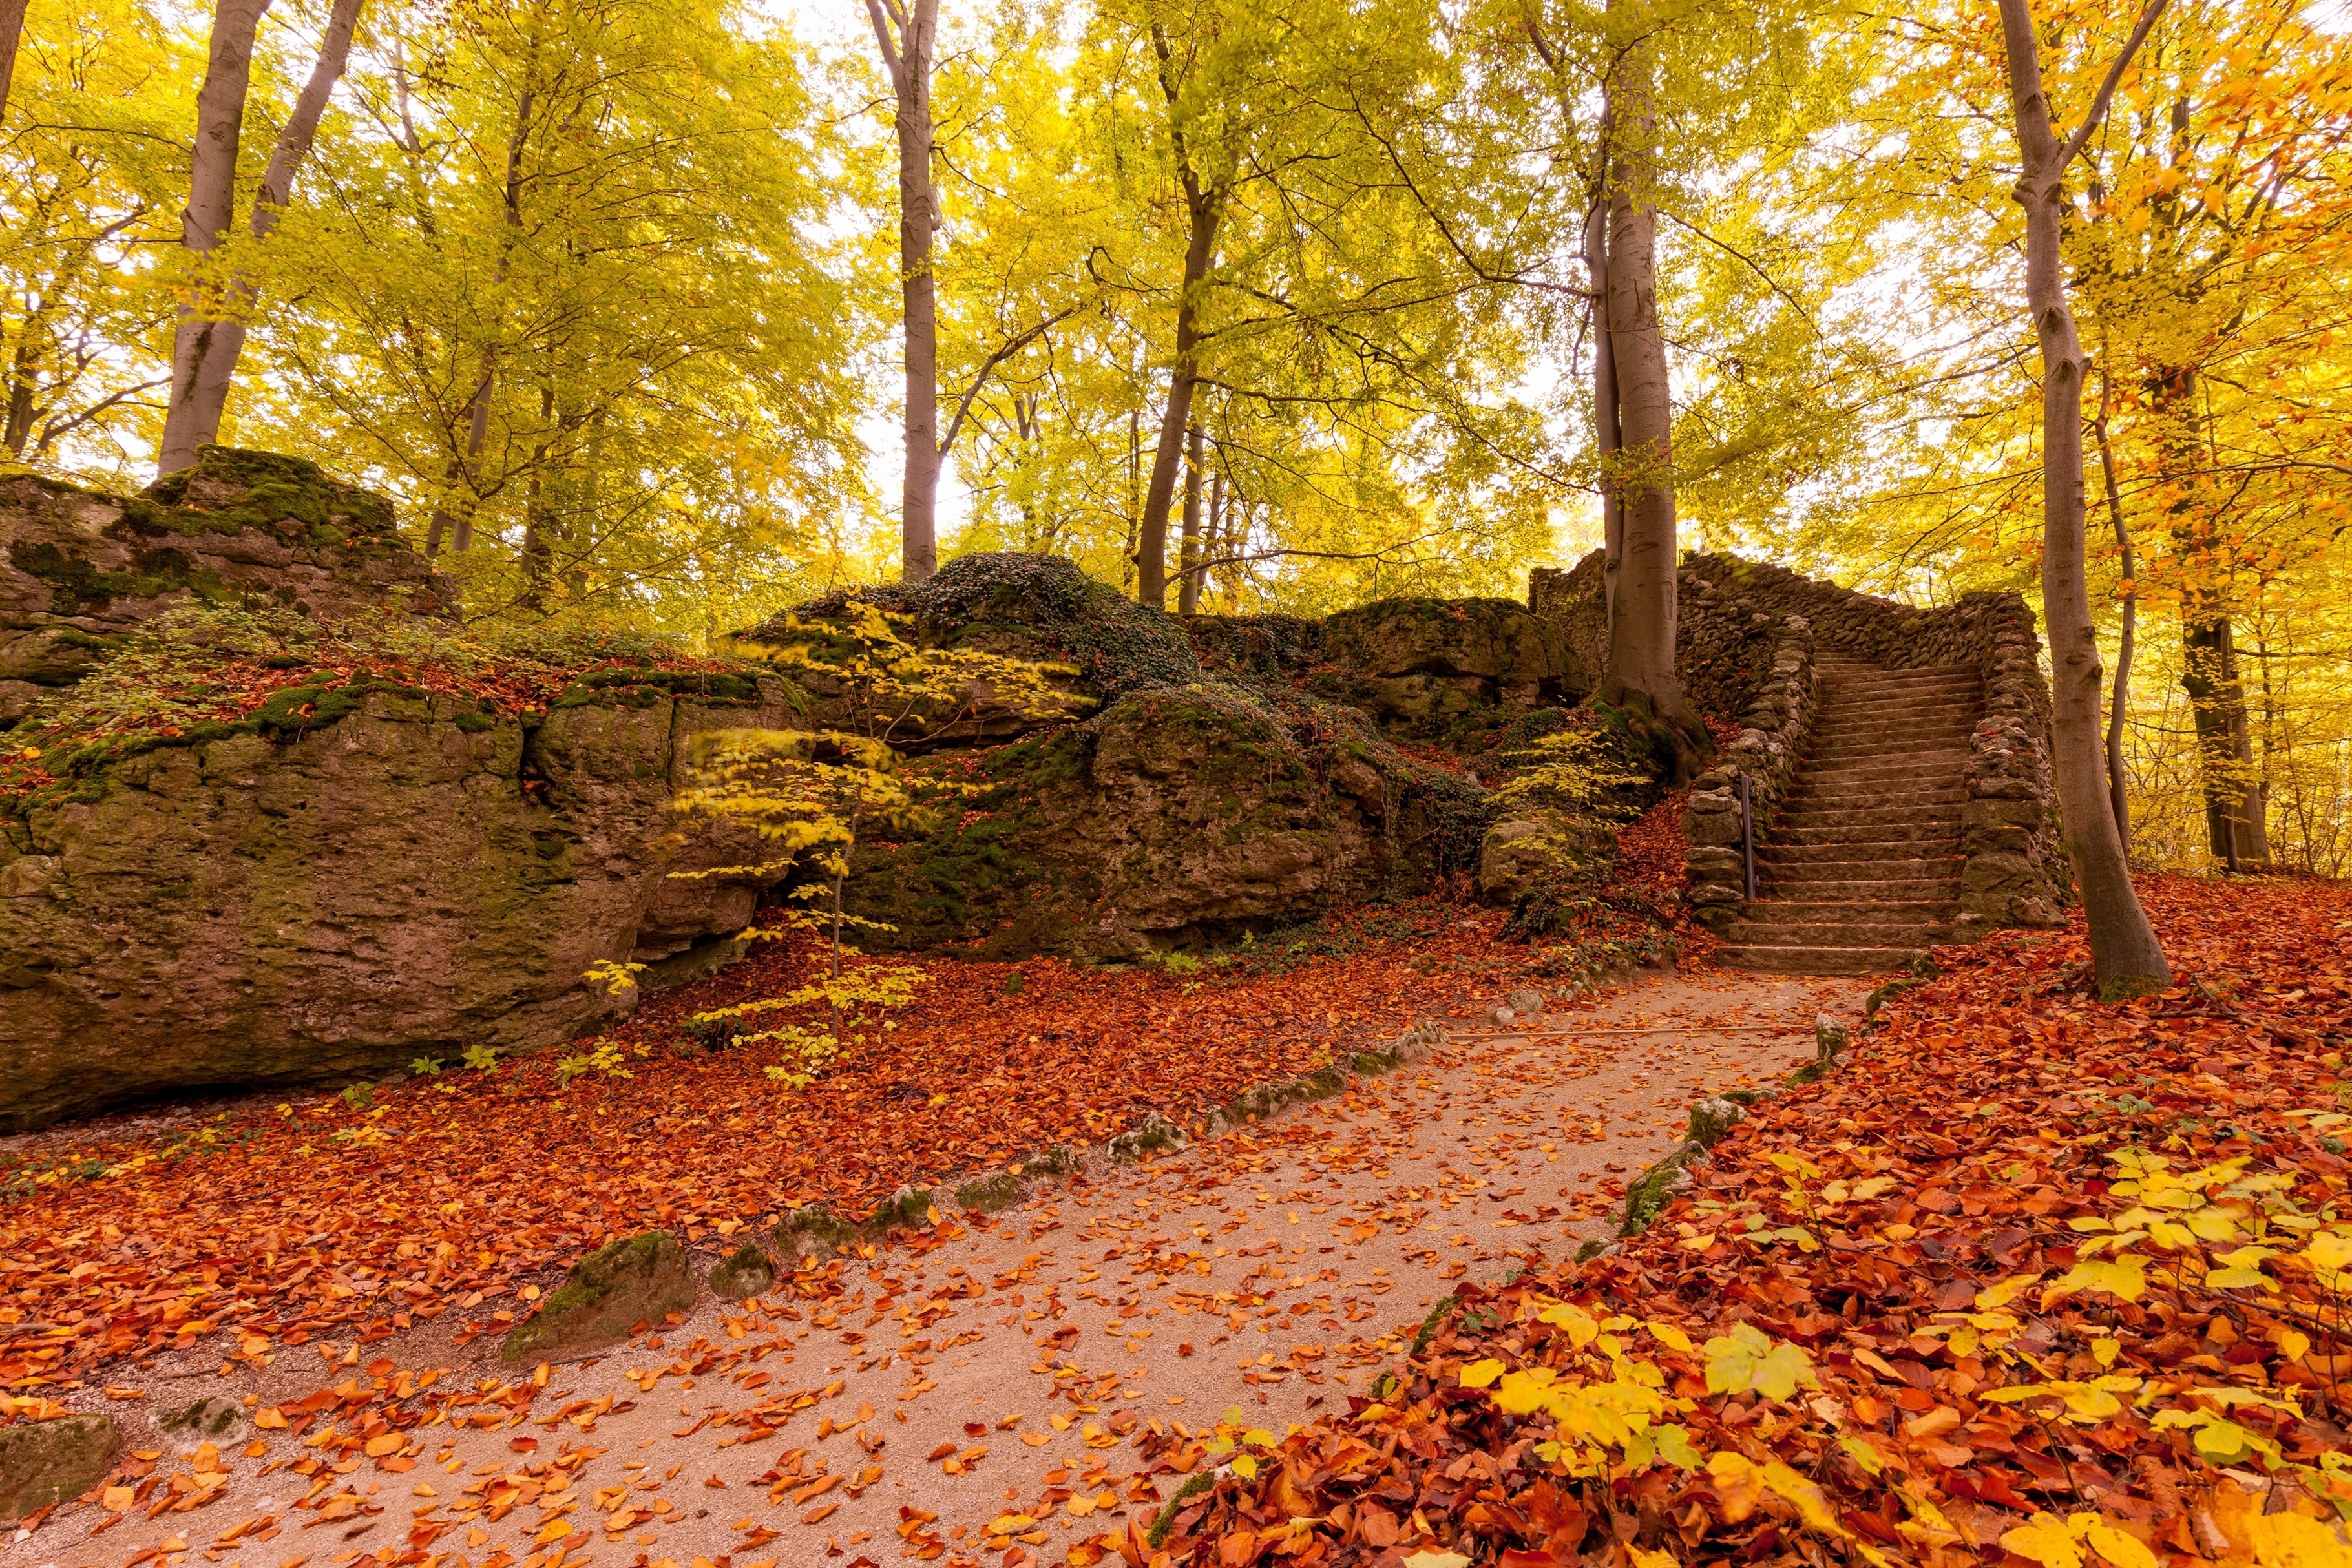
{"type": "Point", "coordinates": [1003, 1374]}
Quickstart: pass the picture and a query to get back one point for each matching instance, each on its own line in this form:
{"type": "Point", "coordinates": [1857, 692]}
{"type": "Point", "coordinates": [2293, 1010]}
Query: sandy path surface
{"type": "Point", "coordinates": [999, 1393]}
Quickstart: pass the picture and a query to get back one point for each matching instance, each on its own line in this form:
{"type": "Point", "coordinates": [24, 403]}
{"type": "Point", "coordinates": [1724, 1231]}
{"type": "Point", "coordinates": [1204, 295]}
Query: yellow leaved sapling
{"type": "Point", "coordinates": [808, 793]}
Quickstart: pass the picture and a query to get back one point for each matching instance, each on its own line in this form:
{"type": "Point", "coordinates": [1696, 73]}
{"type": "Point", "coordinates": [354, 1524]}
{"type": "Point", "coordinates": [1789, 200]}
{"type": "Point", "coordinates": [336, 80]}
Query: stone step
{"type": "Point", "coordinates": [1785, 835]}
{"type": "Point", "coordinates": [1860, 853]}
{"type": "Point", "coordinates": [1947, 725]}
{"type": "Point", "coordinates": [1896, 716]}
{"type": "Point", "coordinates": [1954, 750]}
{"type": "Point", "coordinates": [1917, 890]}
{"type": "Point", "coordinates": [1754, 934]}
{"type": "Point", "coordinates": [1829, 796]}
{"type": "Point", "coordinates": [1947, 819]}
{"type": "Point", "coordinates": [1884, 912]}
{"type": "Point", "coordinates": [1901, 680]}
{"type": "Point", "coordinates": [1822, 960]}
{"type": "Point", "coordinates": [1901, 765]}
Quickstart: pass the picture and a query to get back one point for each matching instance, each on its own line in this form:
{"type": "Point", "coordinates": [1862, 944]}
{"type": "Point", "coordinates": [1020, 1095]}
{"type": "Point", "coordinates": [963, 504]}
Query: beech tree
{"type": "Point", "coordinates": [907, 35]}
{"type": "Point", "coordinates": [2124, 953]}
{"type": "Point", "coordinates": [215, 338]}
{"type": "Point", "coordinates": [204, 221]}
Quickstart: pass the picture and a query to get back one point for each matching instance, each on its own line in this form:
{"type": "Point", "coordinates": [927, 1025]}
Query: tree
{"type": "Point", "coordinates": [204, 221]}
{"type": "Point", "coordinates": [195, 407]}
{"type": "Point", "coordinates": [807, 794]}
{"type": "Point", "coordinates": [908, 36]}
{"type": "Point", "coordinates": [12, 30]}
{"type": "Point", "coordinates": [2124, 953]}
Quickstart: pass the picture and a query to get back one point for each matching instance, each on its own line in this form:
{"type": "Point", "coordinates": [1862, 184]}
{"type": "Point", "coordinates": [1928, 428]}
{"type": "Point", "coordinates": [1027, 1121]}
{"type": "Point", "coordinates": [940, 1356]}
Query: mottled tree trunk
{"type": "Point", "coordinates": [198, 413]}
{"type": "Point", "coordinates": [204, 222]}
{"type": "Point", "coordinates": [1607, 438]}
{"type": "Point", "coordinates": [908, 36]}
{"type": "Point", "coordinates": [2124, 953]}
{"type": "Point", "coordinates": [2118, 801]}
{"type": "Point", "coordinates": [1151, 544]}
{"type": "Point", "coordinates": [1640, 677]}
{"type": "Point", "coordinates": [1188, 552]}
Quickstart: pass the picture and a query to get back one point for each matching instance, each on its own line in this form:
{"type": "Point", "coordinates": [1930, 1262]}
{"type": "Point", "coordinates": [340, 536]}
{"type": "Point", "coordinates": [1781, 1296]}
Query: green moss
{"type": "Point", "coordinates": [645, 687]}
{"type": "Point", "coordinates": [77, 586]}
{"type": "Point", "coordinates": [990, 1194]}
{"type": "Point", "coordinates": [744, 1272]}
{"type": "Point", "coordinates": [231, 489]}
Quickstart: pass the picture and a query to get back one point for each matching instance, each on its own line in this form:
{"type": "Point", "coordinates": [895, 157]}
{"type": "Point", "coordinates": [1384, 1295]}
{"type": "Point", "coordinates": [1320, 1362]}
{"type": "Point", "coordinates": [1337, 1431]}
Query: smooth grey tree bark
{"type": "Point", "coordinates": [908, 36]}
{"type": "Point", "coordinates": [1639, 676]}
{"type": "Point", "coordinates": [194, 416]}
{"type": "Point", "coordinates": [1204, 206]}
{"type": "Point", "coordinates": [2125, 955]}
{"type": "Point", "coordinates": [212, 200]}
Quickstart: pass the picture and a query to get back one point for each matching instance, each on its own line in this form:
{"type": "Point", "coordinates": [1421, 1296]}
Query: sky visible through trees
{"type": "Point", "coordinates": [1242, 307]}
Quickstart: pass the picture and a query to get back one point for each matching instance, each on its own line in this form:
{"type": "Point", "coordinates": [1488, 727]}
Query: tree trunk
{"type": "Point", "coordinates": [1126, 555]}
{"type": "Point", "coordinates": [908, 54]}
{"type": "Point", "coordinates": [2118, 801]}
{"type": "Point", "coordinates": [1152, 546]}
{"type": "Point", "coordinates": [2125, 954]}
{"type": "Point", "coordinates": [1640, 677]}
{"type": "Point", "coordinates": [1607, 437]}
{"type": "Point", "coordinates": [2236, 803]}
{"type": "Point", "coordinates": [1188, 552]}
{"type": "Point", "coordinates": [215, 360]}
{"type": "Point", "coordinates": [12, 27]}
{"type": "Point", "coordinates": [212, 198]}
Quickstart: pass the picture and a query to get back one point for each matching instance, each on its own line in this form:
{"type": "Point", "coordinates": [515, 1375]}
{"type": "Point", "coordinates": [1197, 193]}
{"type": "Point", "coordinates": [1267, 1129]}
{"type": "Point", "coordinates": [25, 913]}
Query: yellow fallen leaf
{"type": "Point", "coordinates": [1036, 1439]}
{"type": "Point", "coordinates": [118, 1499]}
{"type": "Point", "coordinates": [553, 1529]}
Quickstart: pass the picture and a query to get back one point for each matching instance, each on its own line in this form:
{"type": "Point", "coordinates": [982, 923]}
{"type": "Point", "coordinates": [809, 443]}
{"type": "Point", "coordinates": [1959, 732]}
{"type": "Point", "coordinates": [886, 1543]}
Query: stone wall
{"type": "Point", "coordinates": [79, 567]}
{"type": "Point", "coordinates": [1745, 638]}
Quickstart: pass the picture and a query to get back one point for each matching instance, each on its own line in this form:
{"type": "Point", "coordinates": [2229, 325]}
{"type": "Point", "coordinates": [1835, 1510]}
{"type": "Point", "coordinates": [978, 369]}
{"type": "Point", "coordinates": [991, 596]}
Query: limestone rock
{"type": "Point", "coordinates": [43, 1462]}
{"type": "Point", "coordinates": [605, 1296]}
{"type": "Point", "coordinates": [1176, 814]}
{"type": "Point", "coordinates": [79, 567]}
{"type": "Point", "coordinates": [255, 912]}
{"type": "Point", "coordinates": [1526, 1001]}
{"type": "Point", "coordinates": [746, 1272]}
{"type": "Point", "coordinates": [1523, 852]}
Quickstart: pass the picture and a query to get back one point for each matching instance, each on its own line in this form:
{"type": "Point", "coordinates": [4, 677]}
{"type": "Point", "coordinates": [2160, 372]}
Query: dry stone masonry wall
{"type": "Point", "coordinates": [1746, 642]}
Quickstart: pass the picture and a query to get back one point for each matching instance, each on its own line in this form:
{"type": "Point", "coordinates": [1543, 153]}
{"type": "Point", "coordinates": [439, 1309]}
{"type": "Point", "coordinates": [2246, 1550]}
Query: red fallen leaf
{"type": "Point", "coordinates": [2039, 1088]}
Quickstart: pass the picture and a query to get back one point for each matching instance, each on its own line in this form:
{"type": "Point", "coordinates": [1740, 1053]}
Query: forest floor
{"type": "Point", "coordinates": [997, 1389]}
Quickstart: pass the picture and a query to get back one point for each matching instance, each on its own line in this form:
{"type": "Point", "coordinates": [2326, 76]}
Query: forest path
{"type": "Point", "coordinates": [1274, 1268]}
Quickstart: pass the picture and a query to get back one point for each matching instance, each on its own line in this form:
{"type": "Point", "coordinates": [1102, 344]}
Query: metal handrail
{"type": "Point", "coordinates": [1748, 832]}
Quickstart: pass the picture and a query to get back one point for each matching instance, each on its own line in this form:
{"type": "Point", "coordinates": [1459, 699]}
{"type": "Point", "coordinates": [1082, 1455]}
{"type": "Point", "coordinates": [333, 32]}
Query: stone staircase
{"type": "Point", "coordinates": [1860, 872]}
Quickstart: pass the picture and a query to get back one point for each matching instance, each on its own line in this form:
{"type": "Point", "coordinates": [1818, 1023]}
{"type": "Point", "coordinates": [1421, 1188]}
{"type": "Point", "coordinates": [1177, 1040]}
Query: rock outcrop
{"type": "Point", "coordinates": [411, 880]}
{"type": "Point", "coordinates": [78, 568]}
{"type": "Point", "coordinates": [1176, 815]}
{"type": "Point", "coordinates": [1412, 661]}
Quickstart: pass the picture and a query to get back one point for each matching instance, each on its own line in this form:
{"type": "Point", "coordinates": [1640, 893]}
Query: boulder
{"type": "Point", "coordinates": [45, 1462]}
{"type": "Point", "coordinates": [605, 1298]}
{"type": "Point", "coordinates": [79, 567]}
{"type": "Point", "coordinates": [1410, 661]}
{"type": "Point", "coordinates": [1177, 815]}
{"type": "Point", "coordinates": [1522, 852]}
{"type": "Point", "coordinates": [274, 906]}
{"type": "Point", "coordinates": [744, 1272]}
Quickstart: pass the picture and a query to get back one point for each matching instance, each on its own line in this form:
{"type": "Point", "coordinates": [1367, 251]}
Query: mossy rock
{"type": "Point", "coordinates": [812, 1227]}
{"type": "Point", "coordinates": [908, 1209]}
{"type": "Point", "coordinates": [1712, 1119]}
{"type": "Point", "coordinates": [1033, 607]}
{"type": "Point", "coordinates": [230, 489]}
{"type": "Point", "coordinates": [212, 1417]}
{"type": "Point", "coordinates": [1153, 1134]}
{"type": "Point", "coordinates": [606, 1296]}
{"type": "Point", "coordinates": [744, 1272]}
{"type": "Point", "coordinates": [1497, 640]}
{"type": "Point", "coordinates": [990, 1195]}
{"type": "Point", "coordinates": [43, 1462]}
{"type": "Point", "coordinates": [1648, 1195]}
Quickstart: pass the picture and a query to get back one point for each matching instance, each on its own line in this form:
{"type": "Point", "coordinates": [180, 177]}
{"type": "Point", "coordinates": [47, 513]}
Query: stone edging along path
{"type": "Point", "coordinates": [1258, 1271]}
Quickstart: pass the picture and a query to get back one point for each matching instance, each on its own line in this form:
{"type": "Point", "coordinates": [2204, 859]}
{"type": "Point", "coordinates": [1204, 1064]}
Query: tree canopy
{"type": "Point", "coordinates": [1245, 307]}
